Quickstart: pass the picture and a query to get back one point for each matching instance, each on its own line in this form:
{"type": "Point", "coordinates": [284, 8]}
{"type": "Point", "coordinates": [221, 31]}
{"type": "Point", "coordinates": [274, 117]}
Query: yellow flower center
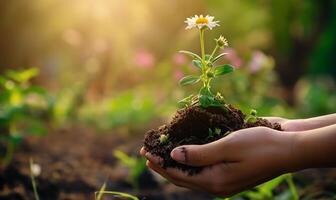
{"type": "Point", "coordinates": [202, 20]}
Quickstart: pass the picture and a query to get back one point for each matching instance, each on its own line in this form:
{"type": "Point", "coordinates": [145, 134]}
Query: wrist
{"type": "Point", "coordinates": [290, 155]}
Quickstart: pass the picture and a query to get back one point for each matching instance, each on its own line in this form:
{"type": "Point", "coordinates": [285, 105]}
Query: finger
{"type": "Point", "coordinates": [275, 119]}
{"type": "Point", "coordinates": [142, 151]}
{"type": "Point", "coordinates": [163, 173]}
{"type": "Point", "coordinates": [201, 155]}
{"type": "Point", "coordinates": [154, 159]}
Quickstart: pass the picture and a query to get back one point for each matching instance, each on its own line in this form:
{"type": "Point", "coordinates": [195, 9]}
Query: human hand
{"type": "Point", "coordinates": [304, 124]}
{"type": "Point", "coordinates": [239, 161]}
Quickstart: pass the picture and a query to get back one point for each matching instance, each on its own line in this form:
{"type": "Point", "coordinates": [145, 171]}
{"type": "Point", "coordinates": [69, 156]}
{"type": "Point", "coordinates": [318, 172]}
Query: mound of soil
{"type": "Point", "coordinates": [191, 125]}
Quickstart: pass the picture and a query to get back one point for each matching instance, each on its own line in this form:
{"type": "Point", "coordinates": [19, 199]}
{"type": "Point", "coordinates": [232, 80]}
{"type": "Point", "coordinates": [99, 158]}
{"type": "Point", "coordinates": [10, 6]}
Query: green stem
{"type": "Point", "coordinates": [204, 76]}
{"type": "Point", "coordinates": [290, 182]}
{"type": "Point", "coordinates": [202, 44]}
{"type": "Point", "coordinates": [214, 51]}
{"type": "Point", "coordinates": [33, 180]}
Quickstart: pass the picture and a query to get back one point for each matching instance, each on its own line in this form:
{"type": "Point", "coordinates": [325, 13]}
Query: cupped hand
{"type": "Point", "coordinates": [239, 161]}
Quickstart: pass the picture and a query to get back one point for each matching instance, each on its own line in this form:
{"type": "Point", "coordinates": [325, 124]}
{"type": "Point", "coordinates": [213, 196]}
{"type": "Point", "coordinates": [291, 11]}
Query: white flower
{"type": "Point", "coordinates": [201, 22]}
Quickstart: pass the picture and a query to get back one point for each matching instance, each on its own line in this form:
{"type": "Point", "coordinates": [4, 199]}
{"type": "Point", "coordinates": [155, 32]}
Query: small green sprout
{"type": "Point", "coordinates": [206, 64]}
{"type": "Point", "coordinates": [216, 132]}
{"type": "Point", "coordinates": [163, 139]}
{"type": "Point", "coordinates": [252, 117]}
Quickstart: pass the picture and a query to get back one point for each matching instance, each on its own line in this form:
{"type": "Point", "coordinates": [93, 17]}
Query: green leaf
{"type": "Point", "coordinates": [191, 79]}
{"type": "Point", "coordinates": [137, 170]}
{"type": "Point", "coordinates": [124, 158]}
{"type": "Point", "coordinates": [224, 69]}
{"type": "Point", "coordinates": [218, 57]}
{"type": "Point", "coordinates": [22, 76]}
{"type": "Point", "coordinates": [186, 101]}
{"type": "Point", "coordinates": [207, 57]}
{"type": "Point", "coordinates": [205, 91]}
{"type": "Point", "coordinates": [268, 187]}
{"type": "Point", "coordinates": [205, 101]}
{"type": "Point", "coordinates": [191, 54]}
{"type": "Point", "coordinates": [197, 63]}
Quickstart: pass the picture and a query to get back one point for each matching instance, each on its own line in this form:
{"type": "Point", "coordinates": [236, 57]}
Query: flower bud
{"type": "Point", "coordinates": [221, 41]}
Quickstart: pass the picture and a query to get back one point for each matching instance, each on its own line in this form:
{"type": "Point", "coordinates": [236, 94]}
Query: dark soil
{"type": "Point", "coordinates": [191, 125]}
{"type": "Point", "coordinates": [75, 162]}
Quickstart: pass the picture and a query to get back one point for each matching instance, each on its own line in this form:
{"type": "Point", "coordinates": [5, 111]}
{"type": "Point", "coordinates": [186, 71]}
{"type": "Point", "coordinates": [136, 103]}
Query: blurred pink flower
{"type": "Point", "coordinates": [257, 60]}
{"type": "Point", "coordinates": [144, 59]}
{"type": "Point", "coordinates": [178, 74]}
{"type": "Point", "coordinates": [233, 57]}
{"type": "Point", "coordinates": [179, 59]}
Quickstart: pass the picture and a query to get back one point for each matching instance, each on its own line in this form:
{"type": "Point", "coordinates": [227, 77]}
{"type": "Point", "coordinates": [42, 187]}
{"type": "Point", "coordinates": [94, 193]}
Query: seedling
{"type": "Point", "coordinates": [164, 139]}
{"type": "Point", "coordinates": [23, 108]}
{"type": "Point", "coordinates": [136, 166]}
{"type": "Point", "coordinates": [252, 117]}
{"type": "Point", "coordinates": [206, 116]}
{"type": "Point", "coordinates": [206, 65]}
{"type": "Point", "coordinates": [215, 133]}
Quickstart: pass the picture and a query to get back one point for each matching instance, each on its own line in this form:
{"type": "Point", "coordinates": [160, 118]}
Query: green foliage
{"type": "Point", "coordinates": [126, 111]}
{"type": "Point", "coordinates": [224, 69]}
{"type": "Point", "coordinates": [266, 191]}
{"type": "Point", "coordinates": [252, 117]}
{"type": "Point", "coordinates": [23, 109]}
{"type": "Point", "coordinates": [214, 133]}
{"type": "Point", "coordinates": [188, 80]}
{"type": "Point", "coordinates": [136, 166]}
{"type": "Point", "coordinates": [99, 195]}
{"type": "Point", "coordinates": [206, 64]}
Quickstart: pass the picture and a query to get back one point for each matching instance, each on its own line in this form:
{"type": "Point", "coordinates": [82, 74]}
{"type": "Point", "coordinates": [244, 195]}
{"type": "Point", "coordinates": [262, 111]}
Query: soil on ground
{"type": "Point", "coordinates": [197, 125]}
{"type": "Point", "coordinates": [75, 162]}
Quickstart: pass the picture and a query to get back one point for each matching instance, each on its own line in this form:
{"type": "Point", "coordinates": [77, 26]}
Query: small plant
{"type": "Point", "coordinates": [102, 191]}
{"type": "Point", "coordinates": [206, 116]}
{"type": "Point", "coordinates": [164, 139]}
{"type": "Point", "coordinates": [251, 117]}
{"type": "Point", "coordinates": [23, 110]}
{"type": "Point", "coordinates": [206, 65]}
{"type": "Point", "coordinates": [266, 190]}
{"type": "Point", "coordinates": [136, 166]}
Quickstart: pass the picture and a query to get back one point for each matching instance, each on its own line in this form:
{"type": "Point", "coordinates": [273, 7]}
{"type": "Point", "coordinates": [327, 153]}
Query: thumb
{"type": "Point", "coordinates": [199, 155]}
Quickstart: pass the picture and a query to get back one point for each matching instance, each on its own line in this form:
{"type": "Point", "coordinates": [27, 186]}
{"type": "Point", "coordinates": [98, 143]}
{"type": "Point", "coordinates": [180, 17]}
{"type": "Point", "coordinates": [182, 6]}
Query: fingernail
{"type": "Point", "coordinates": [179, 154]}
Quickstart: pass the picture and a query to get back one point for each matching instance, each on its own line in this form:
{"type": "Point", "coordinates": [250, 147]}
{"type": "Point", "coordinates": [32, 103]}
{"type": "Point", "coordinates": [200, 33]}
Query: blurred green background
{"type": "Point", "coordinates": [113, 64]}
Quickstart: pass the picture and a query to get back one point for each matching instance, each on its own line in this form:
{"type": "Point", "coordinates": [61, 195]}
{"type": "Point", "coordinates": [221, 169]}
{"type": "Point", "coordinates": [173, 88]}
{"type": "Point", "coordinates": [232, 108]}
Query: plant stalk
{"type": "Point", "coordinates": [214, 51]}
{"type": "Point", "coordinates": [204, 76]}
{"type": "Point", "coordinates": [292, 188]}
{"type": "Point", "coordinates": [33, 180]}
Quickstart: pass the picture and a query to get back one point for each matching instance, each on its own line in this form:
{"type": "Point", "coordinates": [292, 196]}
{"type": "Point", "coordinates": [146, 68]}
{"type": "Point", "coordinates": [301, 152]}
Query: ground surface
{"type": "Point", "coordinates": [76, 161]}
